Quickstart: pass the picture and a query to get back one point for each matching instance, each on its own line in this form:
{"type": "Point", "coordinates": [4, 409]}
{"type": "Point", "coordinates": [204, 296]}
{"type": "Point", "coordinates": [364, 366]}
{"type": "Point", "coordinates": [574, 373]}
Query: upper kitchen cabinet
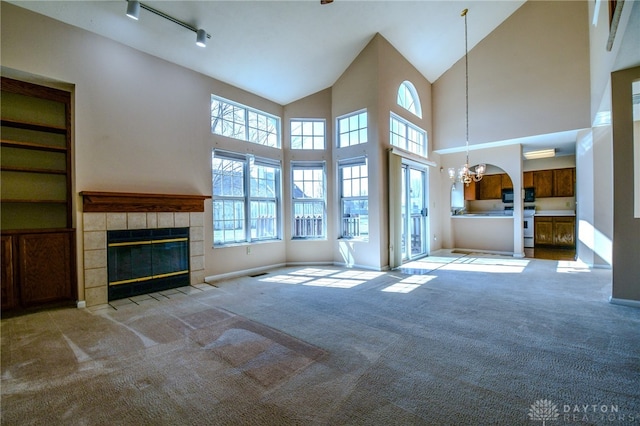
{"type": "Point", "coordinates": [564, 182]}
{"type": "Point", "coordinates": [506, 181]}
{"type": "Point", "coordinates": [527, 180]}
{"type": "Point", "coordinates": [490, 187]}
{"type": "Point", "coordinates": [543, 182]}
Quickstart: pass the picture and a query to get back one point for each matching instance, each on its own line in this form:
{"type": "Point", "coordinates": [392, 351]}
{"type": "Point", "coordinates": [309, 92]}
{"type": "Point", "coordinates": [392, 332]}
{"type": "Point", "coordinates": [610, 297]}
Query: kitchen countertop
{"type": "Point", "coordinates": [483, 215]}
{"type": "Point", "coordinates": [555, 213]}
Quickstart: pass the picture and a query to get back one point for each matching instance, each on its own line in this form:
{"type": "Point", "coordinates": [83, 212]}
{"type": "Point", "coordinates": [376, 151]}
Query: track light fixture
{"type": "Point", "coordinates": [201, 38]}
{"type": "Point", "coordinates": [133, 11]}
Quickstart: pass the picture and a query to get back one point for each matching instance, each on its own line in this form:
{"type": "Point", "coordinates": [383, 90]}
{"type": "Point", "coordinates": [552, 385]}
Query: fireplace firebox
{"type": "Point", "coordinates": [141, 261]}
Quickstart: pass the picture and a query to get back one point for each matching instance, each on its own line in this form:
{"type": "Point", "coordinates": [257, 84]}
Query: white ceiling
{"type": "Point", "coordinates": [286, 50]}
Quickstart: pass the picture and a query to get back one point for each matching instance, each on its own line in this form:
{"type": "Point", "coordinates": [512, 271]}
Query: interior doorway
{"type": "Point", "coordinates": [414, 212]}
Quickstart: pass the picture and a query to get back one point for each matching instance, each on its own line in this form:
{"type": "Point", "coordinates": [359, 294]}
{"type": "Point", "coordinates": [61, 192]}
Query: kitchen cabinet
{"type": "Point", "coordinates": [555, 231]}
{"type": "Point", "coordinates": [564, 182]}
{"type": "Point", "coordinates": [551, 183]}
{"type": "Point", "coordinates": [527, 179]}
{"type": "Point", "coordinates": [543, 182]}
{"type": "Point", "coordinates": [490, 187]}
{"type": "Point", "coordinates": [506, 182]}
{"type": "Point", "coordinates": [471, 191]}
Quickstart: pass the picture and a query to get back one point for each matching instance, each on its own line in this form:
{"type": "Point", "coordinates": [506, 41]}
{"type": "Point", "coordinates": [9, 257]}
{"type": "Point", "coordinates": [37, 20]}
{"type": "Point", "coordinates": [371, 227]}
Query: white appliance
{"type": "Point", "coordinates": [528, 226]}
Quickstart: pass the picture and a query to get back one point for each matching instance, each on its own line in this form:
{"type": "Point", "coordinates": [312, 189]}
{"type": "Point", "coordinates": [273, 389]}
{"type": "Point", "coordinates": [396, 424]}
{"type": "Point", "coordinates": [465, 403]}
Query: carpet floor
{"type": "Point", "coordinates": [452, 339]}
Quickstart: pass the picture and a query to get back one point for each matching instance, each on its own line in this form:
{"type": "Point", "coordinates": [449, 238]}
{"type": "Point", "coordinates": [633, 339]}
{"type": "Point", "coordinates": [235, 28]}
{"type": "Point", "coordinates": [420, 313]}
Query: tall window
{"type": "Point", "coordinates": [242, 122]}
{"type": "Point", "coordinates": [407, 136]}
{"type": "Point", "coordinates": [246, 198]}
{"type": "Point", "coordinates": [309, 205]}
{"type": "Point", "coordinates": [352, 129]}
{"type": "Point", "coordinates": [354, 198]}
{"type": "Point", "coordinates": [307, 134]}
{"type": "Point", "coordinates": [408, 98]}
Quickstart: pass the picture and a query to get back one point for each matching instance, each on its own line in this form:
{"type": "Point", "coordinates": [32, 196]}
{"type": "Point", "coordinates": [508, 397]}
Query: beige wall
{"type": "Point", "coordinates": [626, 230]}
{"type": "Point", "coordinates": [528, 77]}
{"type": "Point", "coordinates": [317, 105]}
{"type": "Point", "coordinates": [141, 124]}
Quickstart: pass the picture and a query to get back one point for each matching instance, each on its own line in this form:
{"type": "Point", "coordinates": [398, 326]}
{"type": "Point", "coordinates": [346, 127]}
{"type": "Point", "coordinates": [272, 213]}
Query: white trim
{"type": "Point", "coordinates": [625, 302]}
{"type": "Point", "coordinates": [81, 304]}
{"type": "Point", "coordinates": [241, 273]}
{"type": "Point", "coordinates": [407, 155]}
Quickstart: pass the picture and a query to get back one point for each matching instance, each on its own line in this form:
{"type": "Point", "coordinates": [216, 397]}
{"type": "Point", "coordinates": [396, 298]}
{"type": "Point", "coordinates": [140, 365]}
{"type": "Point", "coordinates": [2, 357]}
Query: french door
{"type": "Point", "coordinates": [414, 212]}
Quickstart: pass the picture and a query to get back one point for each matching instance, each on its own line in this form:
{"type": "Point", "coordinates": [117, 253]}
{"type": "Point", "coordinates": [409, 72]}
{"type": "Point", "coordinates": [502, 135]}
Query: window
{"type": "Point", "coordinates": [307, 134]}
{"type": "Point", "coordinates": [354, 193]}
{"type": "Point", "coordinates": [352, 129]}
{"type": "Point", "coordinates": [246, 198]}
{"type": "Point", "coordinates": [407, 136]}
{"type": "Point", "coordinates": [408, 98]}
{"type": "Point", "coordinates": [309, 206]}
{"type": "Point", "coordinates": [241, 122]}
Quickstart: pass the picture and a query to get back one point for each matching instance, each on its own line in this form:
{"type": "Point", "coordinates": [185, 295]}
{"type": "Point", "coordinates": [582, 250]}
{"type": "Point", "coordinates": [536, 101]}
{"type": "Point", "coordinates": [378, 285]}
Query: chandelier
{"type": "Point", "coordinates": [465, 173]}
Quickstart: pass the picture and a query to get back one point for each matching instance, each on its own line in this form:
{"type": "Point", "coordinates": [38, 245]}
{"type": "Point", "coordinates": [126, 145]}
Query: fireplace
{"type": "Point", "coordinates": [165, 230]}
{"type": "Point", "coordinates": [143, 261]}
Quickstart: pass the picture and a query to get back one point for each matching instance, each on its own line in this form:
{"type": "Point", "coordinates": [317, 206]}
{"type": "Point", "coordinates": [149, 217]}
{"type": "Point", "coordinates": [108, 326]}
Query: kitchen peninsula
{"type": "Point", "coordinates": [489, 231]}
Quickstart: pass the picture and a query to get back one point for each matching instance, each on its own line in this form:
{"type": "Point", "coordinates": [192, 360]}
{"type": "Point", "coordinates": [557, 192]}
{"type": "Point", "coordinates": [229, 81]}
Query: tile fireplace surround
{"type": "Point", "coordinates": [107, 211]}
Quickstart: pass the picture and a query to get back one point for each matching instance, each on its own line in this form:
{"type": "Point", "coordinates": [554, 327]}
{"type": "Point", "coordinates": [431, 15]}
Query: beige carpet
{"type": "Point", "coordinates": [455, 339]}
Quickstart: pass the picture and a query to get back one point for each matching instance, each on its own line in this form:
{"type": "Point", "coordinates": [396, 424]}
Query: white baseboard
{"type": "Point", "coordinates": [625, 302]}
{"type": "Point", "coordinates": [81, 304]}
{"type": "Point", "coordinates": [242, 273]}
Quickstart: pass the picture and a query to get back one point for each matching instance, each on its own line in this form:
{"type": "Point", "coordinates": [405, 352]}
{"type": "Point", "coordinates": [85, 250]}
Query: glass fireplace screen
{"type": "Point", "coordinates": [147, 260]}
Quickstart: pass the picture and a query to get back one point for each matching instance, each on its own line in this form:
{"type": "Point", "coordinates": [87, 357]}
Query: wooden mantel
{"type": "Point", "coordinates": [105, 202]}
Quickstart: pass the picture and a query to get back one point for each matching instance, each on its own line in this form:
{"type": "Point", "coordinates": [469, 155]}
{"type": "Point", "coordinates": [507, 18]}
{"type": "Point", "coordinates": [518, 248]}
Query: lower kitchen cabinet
{"type": "Point", "coordinates": [557, 231]}
{"type": "Point", "coordinates": [38, 268]}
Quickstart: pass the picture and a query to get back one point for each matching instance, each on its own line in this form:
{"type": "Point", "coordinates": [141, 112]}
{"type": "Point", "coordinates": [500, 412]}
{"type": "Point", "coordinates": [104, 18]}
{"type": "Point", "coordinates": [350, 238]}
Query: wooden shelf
{"type": "Point", "coordinates": [32, 170]}
{"type": "Point", "coordinates": [105, 202]}
{"type": "Point", "coordinates": [32, 145]}
{"type": "Point", "coordinates": [34, 126]}
{"type": "Point", "coordinates": [32, 201]}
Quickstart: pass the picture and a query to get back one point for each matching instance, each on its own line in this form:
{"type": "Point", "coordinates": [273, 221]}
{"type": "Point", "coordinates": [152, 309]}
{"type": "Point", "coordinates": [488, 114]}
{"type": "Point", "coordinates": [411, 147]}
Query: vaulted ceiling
{"type": "Point", "coordinates": [286, 50]}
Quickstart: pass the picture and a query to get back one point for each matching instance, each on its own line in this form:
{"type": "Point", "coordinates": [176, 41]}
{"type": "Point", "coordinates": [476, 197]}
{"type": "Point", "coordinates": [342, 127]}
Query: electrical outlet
{"type": "Point", "coordinates": [568, 203]}
{"type": "Point", "coordinates": [248, 249]}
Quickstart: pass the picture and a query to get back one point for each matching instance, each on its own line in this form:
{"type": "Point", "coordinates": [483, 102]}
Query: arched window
{"type": "Point", "coordinates": [408, 98]}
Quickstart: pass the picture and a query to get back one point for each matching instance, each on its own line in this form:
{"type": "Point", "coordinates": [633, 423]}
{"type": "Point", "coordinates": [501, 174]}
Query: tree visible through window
{"type": "Point", "coordinates": [241, 122]}
{"type": "Point", "coordinates": [307, 134]}
{"type": "Point", "coordinates": [246, 198]}
{"type": "Point", "coordinates": [406, 135]}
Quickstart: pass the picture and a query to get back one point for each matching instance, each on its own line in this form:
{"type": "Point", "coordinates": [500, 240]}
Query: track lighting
{"type": "Point", "coordinates": [133, 11]}
{"type": "Point", "coordinates": [201, 38]}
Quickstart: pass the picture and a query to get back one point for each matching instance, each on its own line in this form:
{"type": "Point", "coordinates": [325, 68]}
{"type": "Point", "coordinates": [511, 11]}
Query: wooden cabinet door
{"type": "Point", "coordinates": [506, 182]}
{"type": "Point", "coordinates": [564, 182]}
{"type": "Point", "coordinates": [543, 182]}
{"type": "Point", "coordinates": [564, 231]}
{"type": "Point", "coordinates": [491, 187]}
{"type": "Point", "coordinates": [9, 292]}
{"type": "Point", "coordinates": [527, 179]}
{"type": "Point", "coordinates": [45, 268]}
{"type": "Point", "coordinates": [470, 191]}
{"type": "Point", "coordinates": [543, 227]}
